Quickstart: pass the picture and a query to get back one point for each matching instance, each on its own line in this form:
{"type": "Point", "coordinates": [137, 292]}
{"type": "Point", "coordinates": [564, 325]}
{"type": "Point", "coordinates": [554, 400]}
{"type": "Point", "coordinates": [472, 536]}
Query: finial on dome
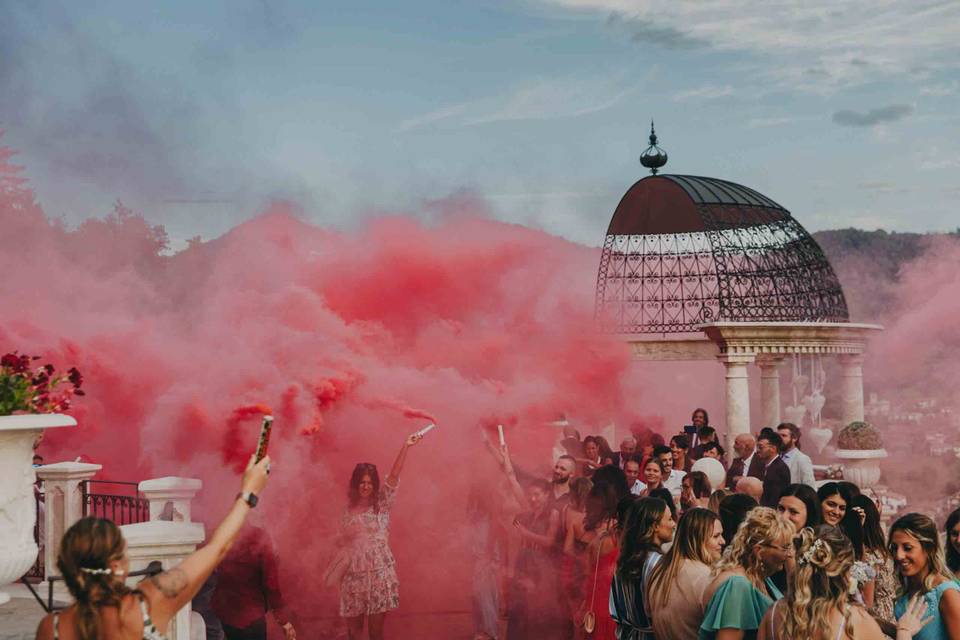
{"type": "Point", "coordinates": [653, 157]}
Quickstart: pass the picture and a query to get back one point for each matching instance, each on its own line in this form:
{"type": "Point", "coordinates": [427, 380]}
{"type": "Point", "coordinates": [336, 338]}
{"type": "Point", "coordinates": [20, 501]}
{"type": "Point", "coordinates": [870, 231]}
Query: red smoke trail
{"type": "Point", "coordinates": [236, 441]}
{"type": "Point", "coordinates": [404, 410]}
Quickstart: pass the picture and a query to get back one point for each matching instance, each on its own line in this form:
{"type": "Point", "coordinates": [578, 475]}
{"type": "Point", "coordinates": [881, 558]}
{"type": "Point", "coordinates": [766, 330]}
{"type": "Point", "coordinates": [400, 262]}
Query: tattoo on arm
{"type": "Point", "coordinates": [170, 583]}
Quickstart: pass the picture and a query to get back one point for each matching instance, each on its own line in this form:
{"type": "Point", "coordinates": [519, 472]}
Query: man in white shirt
{"type": "Point", "coordinates": [745, 446]}
{"type": "Point", "coordinates": [801, 468]}
{"type": "Point", "coordinates": [672, 478]}
{"type": "Point", "coordinates": [632, 470]}
{"type": "Point", "coordinates": [628, 450]}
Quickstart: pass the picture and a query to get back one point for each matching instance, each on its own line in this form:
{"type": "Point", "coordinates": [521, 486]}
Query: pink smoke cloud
{"type": "Point", "coordinates": [353, 338]}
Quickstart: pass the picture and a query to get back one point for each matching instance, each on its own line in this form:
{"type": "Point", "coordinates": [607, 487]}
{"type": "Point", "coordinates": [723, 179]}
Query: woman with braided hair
{"type": "Point", "coordinates": [93, 562]}
{"type": "Point", "coordinates": [818, 604]}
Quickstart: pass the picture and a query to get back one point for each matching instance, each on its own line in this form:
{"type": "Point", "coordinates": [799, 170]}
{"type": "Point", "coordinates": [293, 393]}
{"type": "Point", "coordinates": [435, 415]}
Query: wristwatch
{"type": "Point", "coordinates": [249, 497]}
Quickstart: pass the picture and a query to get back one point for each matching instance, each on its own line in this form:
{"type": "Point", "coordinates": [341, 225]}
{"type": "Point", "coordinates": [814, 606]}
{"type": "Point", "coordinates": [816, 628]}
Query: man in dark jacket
{"type": "Point", "coordinates": [776, 473]}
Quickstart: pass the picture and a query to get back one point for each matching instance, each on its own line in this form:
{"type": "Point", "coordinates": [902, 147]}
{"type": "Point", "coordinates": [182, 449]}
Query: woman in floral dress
{"type": "Point", "coordinates": [369, 588]}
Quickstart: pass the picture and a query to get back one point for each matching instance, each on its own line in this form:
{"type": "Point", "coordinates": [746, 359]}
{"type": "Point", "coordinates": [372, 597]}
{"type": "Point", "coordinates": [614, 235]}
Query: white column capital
{"type": "Point", "coordinates": [768, 361]}
{"type": "Point", "coordinates": [734, 359]}
{"type": "Point", "coordinates": [67, 471]}
{"type": "Point", "coordinates": [851, 359]}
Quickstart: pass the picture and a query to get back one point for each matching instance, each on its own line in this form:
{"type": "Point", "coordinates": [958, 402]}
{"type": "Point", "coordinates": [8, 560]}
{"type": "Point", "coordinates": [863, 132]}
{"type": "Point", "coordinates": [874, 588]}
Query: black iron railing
{"type": "Point", "coordinates": [118, 501]}
{"type": "Point", "coordinates": [121, 503]}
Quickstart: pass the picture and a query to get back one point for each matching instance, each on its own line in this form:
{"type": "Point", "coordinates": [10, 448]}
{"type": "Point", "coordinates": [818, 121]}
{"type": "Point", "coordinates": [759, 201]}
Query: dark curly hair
{"type": "Point", "coordinates": [365, 469]}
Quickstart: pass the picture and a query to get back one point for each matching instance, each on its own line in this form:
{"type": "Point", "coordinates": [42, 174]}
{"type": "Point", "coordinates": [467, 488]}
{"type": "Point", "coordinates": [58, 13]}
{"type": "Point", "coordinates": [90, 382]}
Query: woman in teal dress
{"type": "Point", "coordinates": [739, 593]}
{"type": "Point", "coordinates": [915, 547]}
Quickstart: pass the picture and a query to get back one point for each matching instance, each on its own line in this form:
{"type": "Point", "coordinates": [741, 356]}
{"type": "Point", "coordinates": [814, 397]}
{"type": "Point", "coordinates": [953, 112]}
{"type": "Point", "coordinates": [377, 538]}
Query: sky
{"type": "Point", "coordinates": [198, 115]}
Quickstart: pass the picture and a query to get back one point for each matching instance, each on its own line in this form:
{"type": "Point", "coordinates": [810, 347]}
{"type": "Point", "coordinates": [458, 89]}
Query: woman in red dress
{"type": "Point", "coordinates": [608, 497]}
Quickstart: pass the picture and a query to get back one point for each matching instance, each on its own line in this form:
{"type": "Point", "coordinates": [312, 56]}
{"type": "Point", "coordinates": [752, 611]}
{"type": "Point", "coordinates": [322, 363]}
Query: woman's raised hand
{"type": "Point", "coordinates": [913, 618]}
{"type": "Point", "coordinates": [413, 439]}
{"type": "Point", "coordinates": [255, 477]}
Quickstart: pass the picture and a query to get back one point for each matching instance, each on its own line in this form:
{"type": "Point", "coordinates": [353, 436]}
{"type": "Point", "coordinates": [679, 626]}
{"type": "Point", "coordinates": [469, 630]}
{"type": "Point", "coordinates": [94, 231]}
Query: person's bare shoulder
{"type": "Point", "coordinates": [45, 628]}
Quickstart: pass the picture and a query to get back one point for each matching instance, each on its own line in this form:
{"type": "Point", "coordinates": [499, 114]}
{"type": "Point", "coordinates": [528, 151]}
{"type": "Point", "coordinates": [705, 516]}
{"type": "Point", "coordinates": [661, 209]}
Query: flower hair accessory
{"type": "Point", "coordinates": [101, 572]}
{"type": "Point", "coordinates": [809, 553]}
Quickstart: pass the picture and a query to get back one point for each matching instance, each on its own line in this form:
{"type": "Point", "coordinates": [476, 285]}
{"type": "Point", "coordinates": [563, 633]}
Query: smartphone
{"type": "Point", "coordinates": [264, 440]}
{"type": "Point", "coordinates": [690, 429]}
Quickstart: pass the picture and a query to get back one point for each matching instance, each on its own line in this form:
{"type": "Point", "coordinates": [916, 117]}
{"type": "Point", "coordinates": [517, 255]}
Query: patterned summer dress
{"type": "Point", "coordinates": [370, 584]}
{"type": "Point", "coordinates": [885, 591]}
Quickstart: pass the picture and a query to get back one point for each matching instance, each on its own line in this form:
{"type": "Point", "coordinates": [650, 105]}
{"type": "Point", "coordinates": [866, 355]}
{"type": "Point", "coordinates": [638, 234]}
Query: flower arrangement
{"type": "Point", "coordinates": [29, 388]}
{"type": "Point", "coordinates": [859, 436]}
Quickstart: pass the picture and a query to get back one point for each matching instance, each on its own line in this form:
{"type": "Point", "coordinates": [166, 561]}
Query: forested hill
{"type": "Point", "coordinates": [868, 264]}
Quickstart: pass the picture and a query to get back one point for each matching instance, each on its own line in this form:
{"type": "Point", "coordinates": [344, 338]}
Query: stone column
{"type": "Point", "coordinates": [737, 396]}
{"type": "Point", "coordinates": [172, 491]}
{"type": "Point", "coordinates": [769, 389]}
{"type": "Point", "coordinates": [851, 388]}
{"type": "Point", "coordinates": [169, 543]}
{"type": "Point", "coordinates": [63, 503]}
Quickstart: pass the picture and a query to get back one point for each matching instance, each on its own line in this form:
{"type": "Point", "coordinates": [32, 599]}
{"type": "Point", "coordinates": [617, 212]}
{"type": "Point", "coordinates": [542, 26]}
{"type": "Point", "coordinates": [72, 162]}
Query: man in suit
{"type": "Point", "coordinates": [628, 451]}
{"type": "Point", "coordinates": [705, 435]}
{"type": "Point", "coordinates": [776, 473]}
{"type": "Point", "coordinates": [742, 466]}
{"type": "Point", "coordinates": [801, 468]}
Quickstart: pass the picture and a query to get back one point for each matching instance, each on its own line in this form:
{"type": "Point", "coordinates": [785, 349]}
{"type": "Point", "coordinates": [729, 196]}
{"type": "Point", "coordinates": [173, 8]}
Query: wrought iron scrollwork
{"type": "Point", "coordinates": [751, 263]}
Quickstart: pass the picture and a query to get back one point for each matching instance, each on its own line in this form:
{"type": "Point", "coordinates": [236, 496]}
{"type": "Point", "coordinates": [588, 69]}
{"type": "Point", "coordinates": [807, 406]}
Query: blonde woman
{"type": "Point", "coordinates": [915, 547]}
{"type": "Point", "coordinates": [818, 604]}
{"type": "Point", "coordinates": [740, 593]}
{"type": "Point", "coordinates": [677, 582]}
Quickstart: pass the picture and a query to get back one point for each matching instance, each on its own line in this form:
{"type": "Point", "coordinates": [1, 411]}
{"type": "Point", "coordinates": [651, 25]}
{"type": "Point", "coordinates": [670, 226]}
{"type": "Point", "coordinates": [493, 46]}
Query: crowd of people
{"type": "Point", "coordinates": [637, 545]}
{"type": "Point", "coordinates": [634, 544]}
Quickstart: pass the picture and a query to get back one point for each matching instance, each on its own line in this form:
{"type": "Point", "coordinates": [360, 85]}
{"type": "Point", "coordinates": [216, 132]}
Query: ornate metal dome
{"type": "Point", "coordinates": [685, 250]}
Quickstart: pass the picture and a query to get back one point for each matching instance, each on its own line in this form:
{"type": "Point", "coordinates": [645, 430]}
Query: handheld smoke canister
{"type": "Point", "coordinates": [503, 440]}
{"type": "Point", "coordinates": [264, 440]}
{"type": "Point", "coordinates": [427, 429]}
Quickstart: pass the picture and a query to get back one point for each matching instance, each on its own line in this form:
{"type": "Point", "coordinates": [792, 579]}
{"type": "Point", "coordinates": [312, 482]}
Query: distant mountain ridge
{"type": "Point", "coordinates": [869, 263]}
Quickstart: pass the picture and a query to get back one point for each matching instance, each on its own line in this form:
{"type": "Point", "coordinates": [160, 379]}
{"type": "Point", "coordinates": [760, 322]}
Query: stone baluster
{"type": "Point", "coordinates": [169, 537]}
{"type": "Point", "coordinates": [62, 504]}
{"type": "Point", "coordinates": [169, 543]}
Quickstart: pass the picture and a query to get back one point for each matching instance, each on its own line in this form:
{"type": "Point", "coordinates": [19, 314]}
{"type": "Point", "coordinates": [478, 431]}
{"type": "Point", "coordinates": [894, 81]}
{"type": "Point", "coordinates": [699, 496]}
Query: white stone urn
{"type": "Point", "coordinates": [861, 466]}
{"type": "Point", "coordinates": [18, 511]}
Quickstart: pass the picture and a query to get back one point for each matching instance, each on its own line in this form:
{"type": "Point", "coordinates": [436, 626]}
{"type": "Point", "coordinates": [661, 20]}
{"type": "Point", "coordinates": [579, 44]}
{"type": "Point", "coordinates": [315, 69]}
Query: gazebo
{"type": "Point", "coordinates": [697, 268]}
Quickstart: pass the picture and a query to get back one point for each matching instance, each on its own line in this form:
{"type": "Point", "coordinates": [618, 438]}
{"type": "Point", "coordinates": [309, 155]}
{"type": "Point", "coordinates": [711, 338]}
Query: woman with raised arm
{"type": "Point", "coordinates": [94, 564]}
{"type": "Point", "coordinates": [370, 588]}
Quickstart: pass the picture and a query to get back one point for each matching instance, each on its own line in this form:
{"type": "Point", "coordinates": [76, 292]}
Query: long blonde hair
{"type": "Point", "coordinates": [924, 530]}
{"type": "Point", "coordinates": [762, 526]}
{"type": "Point", "coordinates": [820, 584]}
{"type": "Point", "coordinates": [86, 551]}
{"type": "Point", "coordinates": [689, 544]}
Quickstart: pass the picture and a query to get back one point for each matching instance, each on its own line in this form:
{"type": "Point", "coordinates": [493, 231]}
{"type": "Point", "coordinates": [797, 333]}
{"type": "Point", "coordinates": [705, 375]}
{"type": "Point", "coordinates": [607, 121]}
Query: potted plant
{"type": "Point", "coordinates": [32, 396]}
{"type": "Point", "coordinates": [860, 446]}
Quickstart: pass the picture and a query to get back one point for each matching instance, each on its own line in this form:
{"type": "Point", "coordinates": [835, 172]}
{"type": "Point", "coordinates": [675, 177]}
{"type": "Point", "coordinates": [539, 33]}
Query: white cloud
{"type": "Point", "coordinates": [941, 89]}
{"type": "Point", "coordinates": [438, 115]}
{"type": "Point", "coordinates": [706, 92]}
{"type": "Point", "coordinates": [539, 99]}
{"type": "Point", "coordinates": [816, 45]}
{"type": "Point", "coordinates": [769, 122]}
